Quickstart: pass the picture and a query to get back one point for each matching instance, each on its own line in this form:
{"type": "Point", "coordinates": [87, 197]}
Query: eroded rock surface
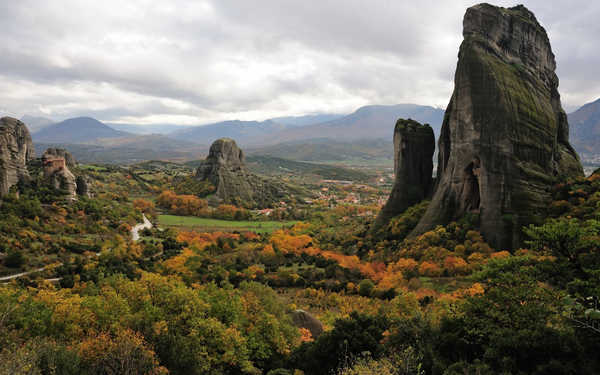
{"type": "Point", "coordinates": [504, 140]}
{"type": "Point", "coordinates": [225, 169]}
{"type": "Point", "coordinates": [56, 170]}
{"type": "Point", "coordinates": [83, 187]}
{"type": "Point", "coordinates": [61, 152]}
{"type": "Point", "coordinates": [16, 150]}
{"type": "Point", "coordinates": [414, 145]}
{"type": "Point", "coordinates": [303, 319]}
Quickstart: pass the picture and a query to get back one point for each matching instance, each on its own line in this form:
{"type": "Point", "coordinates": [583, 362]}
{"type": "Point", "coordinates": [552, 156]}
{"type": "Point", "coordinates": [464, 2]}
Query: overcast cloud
{"type": "Point", "coordinates": [194, 62]}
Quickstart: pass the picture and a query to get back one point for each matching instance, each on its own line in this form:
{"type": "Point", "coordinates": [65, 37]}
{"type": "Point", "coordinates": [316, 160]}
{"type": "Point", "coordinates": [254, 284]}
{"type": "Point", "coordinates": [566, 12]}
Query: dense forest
{"type": "Point", "coordinates": [187, 301]}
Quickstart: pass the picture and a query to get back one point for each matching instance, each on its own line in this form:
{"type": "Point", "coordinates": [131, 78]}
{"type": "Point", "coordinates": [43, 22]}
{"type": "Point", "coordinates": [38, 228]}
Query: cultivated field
{"type": "Point", "coordinates": [199, 223]}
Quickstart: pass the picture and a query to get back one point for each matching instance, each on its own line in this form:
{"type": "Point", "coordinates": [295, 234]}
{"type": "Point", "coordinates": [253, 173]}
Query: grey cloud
{"type": "Point", "coordinates": [203, 61]}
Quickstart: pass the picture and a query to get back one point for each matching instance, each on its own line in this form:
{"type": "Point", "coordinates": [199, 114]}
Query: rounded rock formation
{"type": "Point", "coordinates": [302, 319]}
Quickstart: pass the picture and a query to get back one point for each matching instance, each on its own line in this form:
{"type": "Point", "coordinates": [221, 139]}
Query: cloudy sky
{"type": "Point", "coordinates": [196, 61]}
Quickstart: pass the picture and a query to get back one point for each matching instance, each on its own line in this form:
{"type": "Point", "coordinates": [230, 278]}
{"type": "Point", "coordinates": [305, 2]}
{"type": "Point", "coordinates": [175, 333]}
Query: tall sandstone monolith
{"type": "Point", "coordinates": [16, 150]}
{"type": "Point", "coordinates": [505, 138]}
{"type": "Point", "coordinates": [414, 145]}
{"type": "Point", "coordinates": [225, 168]}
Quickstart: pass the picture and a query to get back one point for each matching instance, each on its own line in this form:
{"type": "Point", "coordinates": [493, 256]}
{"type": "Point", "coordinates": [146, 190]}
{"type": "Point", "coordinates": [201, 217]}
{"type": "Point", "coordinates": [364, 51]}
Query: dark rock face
{"type": "Point", "coordinates": [224, 154]}
{"type": "Point", "coordinates": [57, 172]}
{"type": "Point", "coordinates": [504, 140]}
{"type": "Point", "coordinates": [83, 187]}
{"type": "Point", "coordinates": [302, 319]}
{"type": "Point", "coordinates": [414, 145]}
{"type": "Point", "coordinates": [225, 169]}
{"type": "Point", "coordinates": [16, 149]}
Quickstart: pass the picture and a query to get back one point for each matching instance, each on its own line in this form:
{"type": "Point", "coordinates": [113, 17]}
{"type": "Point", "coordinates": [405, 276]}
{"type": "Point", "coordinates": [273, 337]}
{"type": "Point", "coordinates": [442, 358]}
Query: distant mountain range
{"type": "Point", "coordinates": [585, 130]}
{"type": "Point", "coordinates": [369, 122]}
{"type": "Point", "coordinates": [306, 120]}
{"type": "Point", "coordinates": [147, 129]}
{"type": "Point", "coordinates": [364, 135]}
{"type": "Point", "coordinates": [242, 132]}
{"type": "Point", "coordinates": [76, 130]}
{"type": "Point", "coordinates": [90, 140]}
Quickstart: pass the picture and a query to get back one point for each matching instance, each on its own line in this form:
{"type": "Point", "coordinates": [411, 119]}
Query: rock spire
{"type": "Point", "coordinates": [505, 137]}
{"type": "Point", "coordinates": [16, 150]}
{"type": "Point", "coordinates": [414, 145]}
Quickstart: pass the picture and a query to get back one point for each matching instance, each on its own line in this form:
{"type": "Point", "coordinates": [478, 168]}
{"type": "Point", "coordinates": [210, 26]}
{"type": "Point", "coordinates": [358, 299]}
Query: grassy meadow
{"type": "Point", "coordinates": [207, 224]}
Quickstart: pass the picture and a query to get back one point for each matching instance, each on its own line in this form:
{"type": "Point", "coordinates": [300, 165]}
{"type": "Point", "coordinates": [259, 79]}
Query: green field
{"type": "Point", "coordinates": [199, 223]}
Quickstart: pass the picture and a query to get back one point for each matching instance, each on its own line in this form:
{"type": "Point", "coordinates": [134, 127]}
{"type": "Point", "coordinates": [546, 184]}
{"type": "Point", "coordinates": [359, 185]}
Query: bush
{"type": "Point", "coordinates": [365, 288]}
{"type": "Point", "coordinates": [14, 259]}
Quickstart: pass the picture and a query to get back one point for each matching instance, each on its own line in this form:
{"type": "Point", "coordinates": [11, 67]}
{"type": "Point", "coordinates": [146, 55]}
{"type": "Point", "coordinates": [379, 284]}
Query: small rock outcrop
{"type": "Point", "coordinates": [83, 187]}
{"type": "Point", "coordinates": [302, 319]}
{"type": "Point", "coordinates": [505, 137]}
{"type": "Point", "coordinates": [56, 170]}
{"type": "Point", "coordinates": [61, 152]}
{"type": "Point", "coordinates": [225, 168]}
{"type": "Point", "coordinates": [414, 145]}
{"type": "Point", "coordinates": [16, 150]}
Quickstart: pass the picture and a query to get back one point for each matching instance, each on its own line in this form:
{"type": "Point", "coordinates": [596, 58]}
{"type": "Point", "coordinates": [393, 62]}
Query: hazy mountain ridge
{"type": "Point", "coordinates": [148, 128]}
{"type": "Point", "coordinates": [585, 129]}
{"type": "Point", "coordinates": [76, 130]}
{"type": "Point", "coordinates": [241, 131]}
{"type": "Point", "coordinates": [307, 119]}
{"type": "Point", "coordinates": [364, 135]}
{"type": "Point", "coordinates": [368, 122]}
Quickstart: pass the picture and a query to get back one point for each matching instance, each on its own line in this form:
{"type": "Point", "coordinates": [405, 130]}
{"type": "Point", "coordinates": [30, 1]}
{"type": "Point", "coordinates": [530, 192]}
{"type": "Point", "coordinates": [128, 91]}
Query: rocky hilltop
{"type": "Point", "coordinates": [505, 137]}
{"type": "Point", "coordinates": [61, 153]}
{"type": "Point", "coordinates": [56, 162]}
{"type": "Point", "coordinates": [225, 168]}
{"type": "Point", "coordinates": [414, 145]}
{"type": "Point", "coordinates": [16, 149]}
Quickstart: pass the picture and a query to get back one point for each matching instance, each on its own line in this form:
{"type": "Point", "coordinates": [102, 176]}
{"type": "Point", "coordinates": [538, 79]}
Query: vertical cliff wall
{"type": "Point", "coordinates": [414, 145]}
{"type": "Point", "coordinates": [504, 140]}
{"type": "Point", "coordinates": [16, 149]}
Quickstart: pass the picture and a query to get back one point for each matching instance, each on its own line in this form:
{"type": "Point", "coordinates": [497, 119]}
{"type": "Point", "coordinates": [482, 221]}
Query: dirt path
{"type": "Point", "coordinates": [135, 230]}
{"type": "Point", "coordinates": [17, 275]}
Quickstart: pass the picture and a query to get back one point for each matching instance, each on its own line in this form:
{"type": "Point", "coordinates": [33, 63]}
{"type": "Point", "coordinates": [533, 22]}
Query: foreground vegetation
{"type": "Point", "coordinates": [212, 296]}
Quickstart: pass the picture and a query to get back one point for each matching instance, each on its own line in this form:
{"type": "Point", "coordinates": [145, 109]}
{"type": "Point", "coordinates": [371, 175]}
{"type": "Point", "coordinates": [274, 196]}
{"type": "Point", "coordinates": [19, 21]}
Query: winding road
{"type": "Point", "coordinates": [135, 236]}
{"type": "Point", "coordinates": [21, 274]}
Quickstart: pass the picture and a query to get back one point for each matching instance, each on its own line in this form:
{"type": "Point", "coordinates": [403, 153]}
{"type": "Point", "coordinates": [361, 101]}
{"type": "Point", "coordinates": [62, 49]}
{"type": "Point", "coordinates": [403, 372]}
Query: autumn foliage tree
{"type": "Point", "coordinates": [189, 205]}
{"type": "Point", "coordinates": [144, 205]}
